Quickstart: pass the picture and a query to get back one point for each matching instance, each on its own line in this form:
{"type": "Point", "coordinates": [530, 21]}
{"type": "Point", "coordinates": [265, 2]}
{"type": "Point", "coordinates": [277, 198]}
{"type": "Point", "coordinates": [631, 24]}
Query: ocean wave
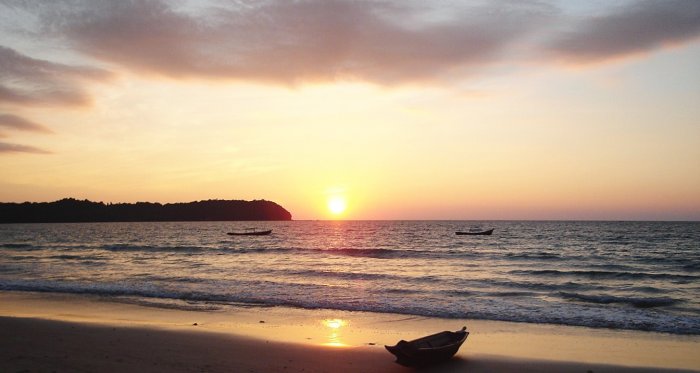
{"type": "Point", "coordinates": [76, 257]}
{"type": "Point", "coordinates": [149, 248]}
{"type": "Point", "coordinates": [368, 253]}
{"type": "Point", "coordinates": [633, 301]}
{"type": "Point", "coordinates": [604, 274]}
{"type": "Point", "coordinates": [19, 246]}
{"type": "Point", "coordinates": [538, 285]}
{"type": "Point", "coordinates": [489, 293]}
{"type": "Point", "coordinates": [476, 308]}
{"type": "Point", "coordinates": [166, 303]}
{"type": "Point", "coordinates": [386, 278]}
{"type": "Point", "coordinates": [345, 275]}
{"type": "Point", "coordinates": [535, 256]}
{"type": "Point", "coordinates": [691, 267]}
{"type": "Point", "coordinates": [401, 291]}
{"type": "Point", "coordinates": [509, 293]}
{"type": "Point", "coordinates": [503, 306]}
{"type": "Point", "coordinates": [147, 291]}
{"type": "Point", "coordinates": [9, 268]}
{"type": "Point", "coordinates": [23, 257]}
{"type": "Point", "coordinates": [377, 253]}
{"type": "Point", "coordinates": [401, 253]}
{"type": "Point", "coordinates": [645, 289]}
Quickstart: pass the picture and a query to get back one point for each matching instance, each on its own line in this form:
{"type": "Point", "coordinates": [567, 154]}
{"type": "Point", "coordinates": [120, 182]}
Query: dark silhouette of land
{"type": "Point", "coordinates": [72, 210]}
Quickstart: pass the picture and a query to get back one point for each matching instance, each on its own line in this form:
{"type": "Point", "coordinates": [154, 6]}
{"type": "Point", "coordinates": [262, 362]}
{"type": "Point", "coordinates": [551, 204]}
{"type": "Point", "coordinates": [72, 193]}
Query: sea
{"type": "Point", "coordinates": [618, 275]}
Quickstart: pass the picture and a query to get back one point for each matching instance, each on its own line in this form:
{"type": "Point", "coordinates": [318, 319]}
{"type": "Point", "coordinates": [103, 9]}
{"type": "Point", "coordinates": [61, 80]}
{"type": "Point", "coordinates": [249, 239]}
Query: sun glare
{"type": "Point", "coordinates": [337, 205]}
{"type": "Point", "coordinates": [334, 323]}
{"type": "Point", "coordinates": [335, 337]}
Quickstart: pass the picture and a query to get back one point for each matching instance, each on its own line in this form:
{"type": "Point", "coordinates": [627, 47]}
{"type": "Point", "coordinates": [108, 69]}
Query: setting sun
{"type": "Point", "coordinates": [336, 205]}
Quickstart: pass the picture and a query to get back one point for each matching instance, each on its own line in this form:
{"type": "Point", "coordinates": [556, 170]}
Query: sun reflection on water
{"type": "Point", "coordinates": [334, 337]}
{"type": "Point", "coordinates": [334, 323]}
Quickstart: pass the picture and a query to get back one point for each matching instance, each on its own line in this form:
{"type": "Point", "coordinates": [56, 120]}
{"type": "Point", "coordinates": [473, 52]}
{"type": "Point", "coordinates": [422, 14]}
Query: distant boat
{"type": "Point", "coordinates": [476, 233]}
{"type": "Point", "coordinates": [250, 232]}
{"type": "Point", "coordinates": [429, 350]}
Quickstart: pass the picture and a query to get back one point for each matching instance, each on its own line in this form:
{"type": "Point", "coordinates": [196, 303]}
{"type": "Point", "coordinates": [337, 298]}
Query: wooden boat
{"type": "Point", "coordinates": [429, 350]}
{"type": "Point", "coordinates": [250, 232]}
{"type": "Point", "coordinates": [479, 233]}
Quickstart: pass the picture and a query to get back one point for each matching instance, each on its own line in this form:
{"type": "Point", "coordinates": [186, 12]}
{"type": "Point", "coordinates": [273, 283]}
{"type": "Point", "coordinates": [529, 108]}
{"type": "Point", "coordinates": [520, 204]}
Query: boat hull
{"type": "Point", "coordinates": [414, 353]}
{"type": "Point", "coordinates": [482, 233]}
{"type": "Point", "coordinates": [258, 233]}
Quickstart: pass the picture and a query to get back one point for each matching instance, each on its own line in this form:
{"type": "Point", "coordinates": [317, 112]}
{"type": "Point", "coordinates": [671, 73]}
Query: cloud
{"type": "Point", "coordinates": [290, 41]}
{"type": "Point", "coordinates": [17, 148]}
{"type": "Point", "coordinates": [29, 81]}
{"type": "Point", "coordinates": [16, 122]}
{"type": "Point", "coordinates": [638, 27]}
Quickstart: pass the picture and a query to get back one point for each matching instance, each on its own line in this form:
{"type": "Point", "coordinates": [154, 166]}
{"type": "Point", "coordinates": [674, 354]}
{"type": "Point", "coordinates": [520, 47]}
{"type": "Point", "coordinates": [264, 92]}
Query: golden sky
{"type": "Point", "coordinates": [393, 109]}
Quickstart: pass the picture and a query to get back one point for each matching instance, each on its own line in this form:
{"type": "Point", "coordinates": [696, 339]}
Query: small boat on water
{"type": "Point", "coordinates": [429, 350]}
{"type": "Point", "coordinates": [475, 233]}
{"type": "Point", "coordinates": [250, 232]}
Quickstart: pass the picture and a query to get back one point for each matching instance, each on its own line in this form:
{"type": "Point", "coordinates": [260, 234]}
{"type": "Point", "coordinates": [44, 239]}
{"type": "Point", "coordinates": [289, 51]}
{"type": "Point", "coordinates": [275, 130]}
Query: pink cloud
{"type": "Point", "coordinates": [16, 122]}
{"type": "Point", "coordinates": [291, 41]}
{"type": "Point", "coordinates": [382, 41]}
{"type": "Point", "coordinates": [17, 148]}
{"type": "Point", "coordinates": [28, 81]}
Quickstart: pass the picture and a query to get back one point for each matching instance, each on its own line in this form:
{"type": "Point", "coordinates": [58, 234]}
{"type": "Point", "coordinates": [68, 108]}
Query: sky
{"type": "Point", "coordinates": [338, 109]}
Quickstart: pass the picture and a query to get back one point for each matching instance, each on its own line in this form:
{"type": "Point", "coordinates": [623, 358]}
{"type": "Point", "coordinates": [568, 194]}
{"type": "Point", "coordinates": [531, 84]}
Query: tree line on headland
{"type": "Point", "coordinates": [72, 210]}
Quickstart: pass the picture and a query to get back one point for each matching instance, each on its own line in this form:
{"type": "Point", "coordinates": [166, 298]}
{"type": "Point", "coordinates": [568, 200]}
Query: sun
{"type": "Point", "coordinates": [336, 205]}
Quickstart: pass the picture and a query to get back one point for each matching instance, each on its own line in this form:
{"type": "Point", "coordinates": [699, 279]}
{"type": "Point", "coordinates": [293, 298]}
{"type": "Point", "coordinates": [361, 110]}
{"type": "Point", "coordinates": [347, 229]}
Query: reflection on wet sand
{"type": "Point", "coordinates": [334, 338]}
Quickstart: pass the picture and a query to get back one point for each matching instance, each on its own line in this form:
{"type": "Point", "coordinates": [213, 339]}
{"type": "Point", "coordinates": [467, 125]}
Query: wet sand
{"type": "Point", "coordinates": [61, 333]}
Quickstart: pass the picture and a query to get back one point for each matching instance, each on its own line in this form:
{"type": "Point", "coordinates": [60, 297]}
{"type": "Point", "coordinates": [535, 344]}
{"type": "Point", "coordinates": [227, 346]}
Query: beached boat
{"type": "Point", "coordinates": [428, 350]}
{"type": "Point", "coordinates": [476, 233]}
{"type": "Point", "coordinates": [250, 232]}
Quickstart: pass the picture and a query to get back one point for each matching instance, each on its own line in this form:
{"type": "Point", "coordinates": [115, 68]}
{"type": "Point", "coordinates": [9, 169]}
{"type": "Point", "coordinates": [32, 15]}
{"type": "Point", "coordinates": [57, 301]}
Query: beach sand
{"type": "Point", "coordinates": [71, 333]}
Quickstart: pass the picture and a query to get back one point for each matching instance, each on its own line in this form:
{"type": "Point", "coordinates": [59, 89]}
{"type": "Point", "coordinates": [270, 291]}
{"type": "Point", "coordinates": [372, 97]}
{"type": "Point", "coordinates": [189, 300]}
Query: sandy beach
{"type": "Point", "coordinates": [70, 333]}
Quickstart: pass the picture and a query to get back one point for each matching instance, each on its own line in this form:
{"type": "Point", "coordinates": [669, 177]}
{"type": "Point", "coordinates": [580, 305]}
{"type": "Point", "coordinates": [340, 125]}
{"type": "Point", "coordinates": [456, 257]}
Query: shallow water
{"type": "Point", "coordinates": [622, 275]}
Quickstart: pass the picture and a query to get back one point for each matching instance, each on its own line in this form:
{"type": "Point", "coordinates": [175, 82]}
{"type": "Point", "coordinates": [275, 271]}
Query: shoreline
{"type": "Point", "coordinates": [309, 340]}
